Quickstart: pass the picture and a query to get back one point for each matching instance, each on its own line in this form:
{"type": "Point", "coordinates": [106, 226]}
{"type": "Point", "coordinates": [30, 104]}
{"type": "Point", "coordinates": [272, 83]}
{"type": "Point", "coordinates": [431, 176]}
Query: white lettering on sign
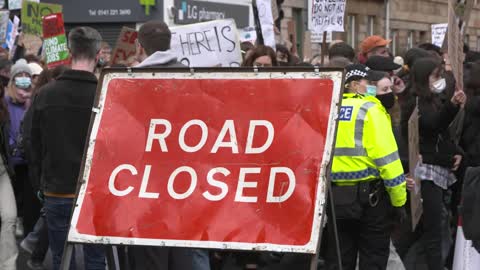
{"type": "Point", "coordinates": [201, 143]}
{"type": "Point", "coordinates": [326, 15]}
{"type": "Point", "coordinates": [113, 176]}
{"type": "Point", "coordinates": [207, 44]}
{"type": "Point", "coordinates": [228, 126]}
{"type": "Point", "coordinates": [226, 138]}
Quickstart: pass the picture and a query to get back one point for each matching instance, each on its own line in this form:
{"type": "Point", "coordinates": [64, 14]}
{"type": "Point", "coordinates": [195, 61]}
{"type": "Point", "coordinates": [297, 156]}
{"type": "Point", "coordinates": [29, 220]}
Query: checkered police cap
{"type": "Point", "coordinates": [356, 72]}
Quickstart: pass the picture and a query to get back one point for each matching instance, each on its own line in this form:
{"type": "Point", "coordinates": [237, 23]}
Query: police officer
{"type": "Point", "coordinates": [367, 176]}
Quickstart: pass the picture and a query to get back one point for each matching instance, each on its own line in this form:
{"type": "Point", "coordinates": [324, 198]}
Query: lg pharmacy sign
{"type": "Point", "coordinates": [212, 160]}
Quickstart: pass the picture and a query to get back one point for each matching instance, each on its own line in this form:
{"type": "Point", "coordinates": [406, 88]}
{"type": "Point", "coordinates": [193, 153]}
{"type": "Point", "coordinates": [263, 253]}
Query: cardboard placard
{"type": "Point", "coordinates": [455, 45]}
{"type": "Point", "coordinates": [207, 44]}
{"type": "Point", "coordinates": [32, 14]}
{"type": "Point", "coordinates": [413, 159]}
{"type": "Point", "coordinates": [55, 42]}
{"type": "Point", "coordinates": [217, 165]}
{"type": "Point", "coordinates": [326, 15]}
{"type": "Point", "coordinates": [32, 44]}
{"type": "Point", "coordinates": [125, 47]}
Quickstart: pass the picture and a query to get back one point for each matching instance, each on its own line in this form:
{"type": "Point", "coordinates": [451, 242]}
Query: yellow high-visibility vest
{"type": "Point", "coordinates": [366, 149]}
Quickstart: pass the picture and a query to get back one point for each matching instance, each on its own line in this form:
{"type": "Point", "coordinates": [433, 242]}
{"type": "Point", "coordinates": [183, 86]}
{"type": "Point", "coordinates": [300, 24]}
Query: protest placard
{"type": "Point", "coordinates": [307, 46]}
{"type": "Point", "coordinates": [455, 45]}
{"type": "Point", "coordinates": [224, 146]}
{"type": "Point", "coordinates": [438, 33]}
{"type": "Point", "coordinates": [265, 17]}
{"type": "Point", "coordinates": [32, 14]}
{"type": "Point", "coordinates": [248, 34]}
{"type": "Point", "coordinates": [4, 19]}
{"type": "Point", "coordinates": [318, 37]}
{"type": "Point", "coordinates": [16, 4]}
{"type": "Point", "coordinates": [416, 205]}
{"type": "Point", "coordinates": [326, 15]}
{"type": "Point", "coordinates": [55, 42]}
{"type": "Point", "coordinates": [31, 43]}
{"type": "Point", "coordinates": [125, 47]}
{"type": "Point", "coordinates": [207, 44]}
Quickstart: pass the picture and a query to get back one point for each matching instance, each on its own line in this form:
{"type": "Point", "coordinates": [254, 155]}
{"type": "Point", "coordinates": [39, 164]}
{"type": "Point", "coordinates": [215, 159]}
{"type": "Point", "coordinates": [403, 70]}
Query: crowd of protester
{"type": "Point", "coordinates": [45, 113]}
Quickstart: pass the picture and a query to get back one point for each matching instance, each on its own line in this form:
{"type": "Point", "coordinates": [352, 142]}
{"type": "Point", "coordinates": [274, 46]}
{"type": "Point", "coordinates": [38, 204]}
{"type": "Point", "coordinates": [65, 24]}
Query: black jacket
{"type": "Point", "coordinates": [436, 146]}
{"type": "Point", "coordinates": [471, 132]}
{"type": "Point", "coordinates": [61, 118]}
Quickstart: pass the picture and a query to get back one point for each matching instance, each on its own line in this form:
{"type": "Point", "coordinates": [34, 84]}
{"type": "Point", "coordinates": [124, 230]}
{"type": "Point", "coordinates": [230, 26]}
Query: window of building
{"type": "Point", "coordinates": [394, 42]}
{"type": "Point", "coordinates": [478, 43]}
{"type": "Point", "coordinates": [410, 40]}
{"type": "Point", "coordinates": [371, 25]}
{"type": "Point", "coordinates": [351, 31]}
{"type": "Point", "coordinates": [466, 40]}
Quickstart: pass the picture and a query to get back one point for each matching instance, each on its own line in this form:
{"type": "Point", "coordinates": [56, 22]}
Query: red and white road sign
{"type": "Point", "coordinates": [231, 160]}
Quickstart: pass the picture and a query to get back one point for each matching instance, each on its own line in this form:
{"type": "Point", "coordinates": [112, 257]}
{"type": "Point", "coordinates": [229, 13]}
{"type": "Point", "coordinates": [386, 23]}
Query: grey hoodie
{"type": "Point", "coordinates": [160, 58]}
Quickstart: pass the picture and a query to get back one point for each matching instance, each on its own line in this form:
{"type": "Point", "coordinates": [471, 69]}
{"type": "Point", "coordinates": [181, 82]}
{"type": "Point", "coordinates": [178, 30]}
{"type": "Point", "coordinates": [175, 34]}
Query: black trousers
{"type": "Point", "coordinates": [368, 236]}
{"type": "Point", "coordinates": [31, 205]}
{"type": "Point", "coordinates": [433, 220]}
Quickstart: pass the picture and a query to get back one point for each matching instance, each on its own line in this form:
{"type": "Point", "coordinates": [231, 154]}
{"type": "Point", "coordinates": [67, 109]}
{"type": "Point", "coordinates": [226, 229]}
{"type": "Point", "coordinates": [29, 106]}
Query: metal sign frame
{"type": "Point", "coordinates": [336, 75]}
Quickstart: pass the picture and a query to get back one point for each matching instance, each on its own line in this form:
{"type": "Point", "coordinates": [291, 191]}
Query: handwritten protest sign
{"type": "Point", "coordinates": [317, 37]}
{"type": "Point", "coordinates": [125, 47]}
{"type": "Point", "coordinates": [265, 16]}
{"type": "Point", "coordinates": [414, 153]}
{"type": "Point", "coordinates": [4, 18]}
{"type": "Point", "coordinates": [32, 14]}
{"type": "Point", "coordinates": [55, 41]}
{"type": "Point", "coordinates": [326, 15]}
{"type": "Point", "coordinates": [207, 44]}
{"type": "Point", "coordinates": [438, 33]}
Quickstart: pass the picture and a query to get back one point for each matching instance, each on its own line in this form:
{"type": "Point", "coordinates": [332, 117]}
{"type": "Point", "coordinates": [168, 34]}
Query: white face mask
{"type": "Point", "coordinates": [439, 86]}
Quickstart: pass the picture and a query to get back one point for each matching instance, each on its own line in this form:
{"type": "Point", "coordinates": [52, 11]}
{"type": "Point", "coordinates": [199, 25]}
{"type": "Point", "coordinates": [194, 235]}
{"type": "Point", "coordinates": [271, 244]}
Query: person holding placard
{"type": "Point", "coordinates": [441, 158]}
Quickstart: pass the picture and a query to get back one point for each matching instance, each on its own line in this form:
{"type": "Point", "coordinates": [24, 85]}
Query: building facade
{"type": "Point", "coordinates": [410, 22]}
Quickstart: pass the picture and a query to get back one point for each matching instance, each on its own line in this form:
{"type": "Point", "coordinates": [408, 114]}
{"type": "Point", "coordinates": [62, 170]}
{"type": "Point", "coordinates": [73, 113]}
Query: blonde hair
{"type": "Point", "coordinates": [11, 91]}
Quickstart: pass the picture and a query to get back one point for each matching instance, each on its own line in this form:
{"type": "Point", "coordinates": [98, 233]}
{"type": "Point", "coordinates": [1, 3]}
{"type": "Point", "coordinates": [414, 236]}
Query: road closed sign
{"type": "Point", "coordinates": [212, 159]}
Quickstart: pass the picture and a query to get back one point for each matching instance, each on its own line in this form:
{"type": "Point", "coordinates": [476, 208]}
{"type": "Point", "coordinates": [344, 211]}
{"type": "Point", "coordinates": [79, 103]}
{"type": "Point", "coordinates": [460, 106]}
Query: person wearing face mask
{"type": "Point", "coordinates": [18, 99]}
{"type": "Point", "coordinates": [441, 158]}
{"type": "Point", "coordinates": [367, 176]}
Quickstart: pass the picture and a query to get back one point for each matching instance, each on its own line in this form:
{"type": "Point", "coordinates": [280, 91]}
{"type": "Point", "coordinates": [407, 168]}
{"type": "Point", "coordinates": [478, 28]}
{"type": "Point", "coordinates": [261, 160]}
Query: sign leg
{"type": "Point", "coordinates": [111, 258]}
{"type": "Point", "coordinates": [67, 257]}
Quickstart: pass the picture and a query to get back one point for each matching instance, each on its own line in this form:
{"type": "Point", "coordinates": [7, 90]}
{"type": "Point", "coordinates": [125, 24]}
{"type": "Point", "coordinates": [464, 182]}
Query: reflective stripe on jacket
{"type": "Point", "coordinates": [366, 149]}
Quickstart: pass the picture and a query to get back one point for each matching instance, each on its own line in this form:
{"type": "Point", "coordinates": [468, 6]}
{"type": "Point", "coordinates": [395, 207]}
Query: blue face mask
{"type": "Point", "coordinates": [23, 82]}
{"type": "Point", "coordinates": [371, 91]}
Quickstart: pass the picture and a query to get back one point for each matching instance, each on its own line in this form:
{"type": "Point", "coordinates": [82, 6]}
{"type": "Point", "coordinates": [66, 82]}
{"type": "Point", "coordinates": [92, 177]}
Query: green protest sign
{"type": "Point", "coordinates": [56, 50]}
{"type": "Point", "coordinates": [32, 14]}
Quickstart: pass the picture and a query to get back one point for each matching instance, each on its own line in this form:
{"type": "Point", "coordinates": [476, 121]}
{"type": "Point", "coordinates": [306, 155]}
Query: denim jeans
{"type": "Point", "coordinates": [8, 215]}
{"type": "Point", "coordinates": [58, 221]}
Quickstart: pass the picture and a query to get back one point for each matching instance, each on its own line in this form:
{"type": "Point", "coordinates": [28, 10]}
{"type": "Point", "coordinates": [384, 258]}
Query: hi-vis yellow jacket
{"type": "Point", "coordinates": [366, 149]}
